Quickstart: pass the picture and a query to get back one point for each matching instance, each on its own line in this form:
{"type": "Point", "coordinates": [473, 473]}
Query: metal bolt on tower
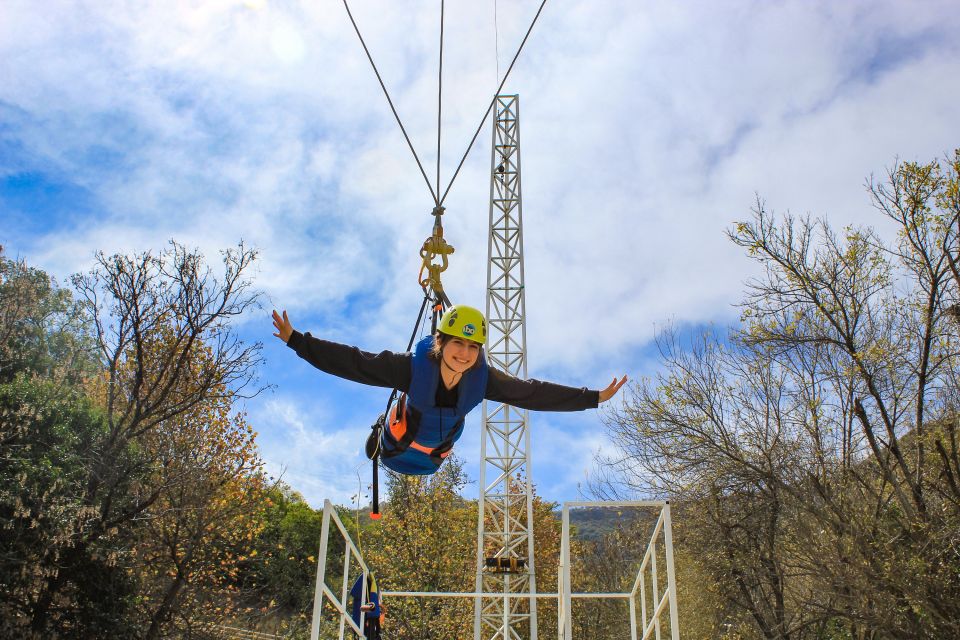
{"type": "Point", "coordinates": [505, 533]}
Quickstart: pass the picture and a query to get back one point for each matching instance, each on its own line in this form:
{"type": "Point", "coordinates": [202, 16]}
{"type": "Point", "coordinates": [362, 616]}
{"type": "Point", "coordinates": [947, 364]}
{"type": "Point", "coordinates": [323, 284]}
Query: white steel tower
{"type": "Point", "coordinates": [505, 566]}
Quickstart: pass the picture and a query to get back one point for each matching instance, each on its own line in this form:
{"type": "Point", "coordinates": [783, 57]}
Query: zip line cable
{"type": "Point", "coordinates": [439, 95]}
{"type": "Point", "coordinates": [439, 202]}
{"type": "Point", "coordinates": [496, 39]}
{"type": "Point", "coordinates": [392, 108]}
{"type": "Point", "coordinates": [492, 102]}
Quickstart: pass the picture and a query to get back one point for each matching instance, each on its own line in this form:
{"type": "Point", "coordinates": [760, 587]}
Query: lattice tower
{"type": "Point", "coordinates": [505, 531]}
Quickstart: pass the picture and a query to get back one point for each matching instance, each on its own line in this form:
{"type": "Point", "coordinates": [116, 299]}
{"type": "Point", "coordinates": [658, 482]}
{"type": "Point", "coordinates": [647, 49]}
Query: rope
{"type": "Point", "coordinates": [439, 202]}
{"type": "Point", "coordinates": [439, 95]}
{"type": "Point", "coordinates": [382, 421]}
{"type": "Point", "coordinates": [492, 102]}
{"type": "Point", "coordinates": [413, 336]}
{"type": "Point", "coordinates": [390, 102]}
{"type": "Point", "coordinates": [496, 43]}
{"type": "Point", "coordinates": [357, 511]}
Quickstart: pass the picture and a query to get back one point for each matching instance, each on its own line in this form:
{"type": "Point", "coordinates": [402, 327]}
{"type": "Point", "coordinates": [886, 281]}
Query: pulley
{"type": "Point", "coordinates": [435, 247]}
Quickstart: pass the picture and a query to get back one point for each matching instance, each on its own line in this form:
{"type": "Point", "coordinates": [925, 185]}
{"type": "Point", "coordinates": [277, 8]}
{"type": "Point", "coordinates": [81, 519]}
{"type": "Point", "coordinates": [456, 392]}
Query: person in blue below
{"type": "Point", "coordinates": [373, 618]}
{"type": "Point", "coordinates": [444, 378]}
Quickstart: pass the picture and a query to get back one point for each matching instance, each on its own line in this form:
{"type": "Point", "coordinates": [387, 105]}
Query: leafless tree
{"type": "Point", "coordinates": [804, 435]}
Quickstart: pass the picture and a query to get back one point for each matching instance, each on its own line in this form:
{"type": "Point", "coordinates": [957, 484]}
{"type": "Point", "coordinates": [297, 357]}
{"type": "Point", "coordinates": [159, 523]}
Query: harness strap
{"type": "Point", "coordinates": [373, 448]}
{"type": "Point", "coordinates": [401, 434]}
{"type": "Point", "coordinates": [445, 448]}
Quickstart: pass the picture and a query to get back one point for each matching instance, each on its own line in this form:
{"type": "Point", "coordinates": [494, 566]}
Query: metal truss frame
{"type": "Point", "coordinates": [351, 558]}
{"type": "Point", "coordinates": [505, 521]}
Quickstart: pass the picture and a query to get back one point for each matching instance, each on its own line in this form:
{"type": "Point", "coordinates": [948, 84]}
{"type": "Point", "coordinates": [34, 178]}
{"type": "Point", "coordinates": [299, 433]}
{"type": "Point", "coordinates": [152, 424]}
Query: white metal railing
{"type": "Point", "coordinates": [650, 618]}
{"type": "Point", "coordinates": [323, 591]}
{"type": "Point", "coordinates": [649, 624]}
{"type": "Point", "coordinates": [236, 633]}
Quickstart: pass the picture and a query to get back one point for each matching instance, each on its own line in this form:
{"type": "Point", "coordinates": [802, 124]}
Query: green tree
{"type": "Point", "coordinates": [47, 433]}
{"type": "Point", "coordinates": [48, 428]}
{"type": "Point", "coordinates": [91, 395]}
{"type": "Point", "coordinates": [42, 330]}
{"type": "Point", "coordinates": [426, 541]}
{"type": "Point", "coordinates": [279, 572]}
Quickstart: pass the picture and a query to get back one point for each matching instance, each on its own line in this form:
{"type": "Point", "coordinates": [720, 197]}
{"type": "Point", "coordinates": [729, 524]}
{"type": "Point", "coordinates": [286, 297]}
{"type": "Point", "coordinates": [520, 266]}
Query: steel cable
{"type": "Point", "coordinates": [439, 95]}
{"type": "Point", "coordinates": [392, 108]}
{"type": "Point", "coordinates": [492, 102]}
{"type": "Point", "coordinates": [439, 202]}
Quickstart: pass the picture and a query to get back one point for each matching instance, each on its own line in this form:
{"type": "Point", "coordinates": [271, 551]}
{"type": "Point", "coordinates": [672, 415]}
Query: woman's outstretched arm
{"type": "Point", "coordinates": [538, 395]}
{"type": "Point", "coordinates": [384, 369]}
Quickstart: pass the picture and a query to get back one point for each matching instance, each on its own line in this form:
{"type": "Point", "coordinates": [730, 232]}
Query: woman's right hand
{"type": "Point", "coordinates": [283, 326]}
{"type": "Point", "coordinates": [611, 390]}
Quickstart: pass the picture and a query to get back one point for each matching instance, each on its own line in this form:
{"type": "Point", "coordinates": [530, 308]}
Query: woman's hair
{"type": "Point", "coordinates": [439, 341]}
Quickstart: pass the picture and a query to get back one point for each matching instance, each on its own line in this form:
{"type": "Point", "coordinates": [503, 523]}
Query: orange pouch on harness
{"type": "Point", "coordinates": [398, 419]}
{"type": "Point", "coordinates": [398, 427]}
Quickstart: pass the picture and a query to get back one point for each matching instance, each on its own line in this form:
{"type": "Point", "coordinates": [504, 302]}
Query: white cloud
{"type": "Point", "coordinates": [299, 445]}
{"type": "Point", "coordinates": [563, 453]}
{"type": "Point", "coordinates": [646, 129]}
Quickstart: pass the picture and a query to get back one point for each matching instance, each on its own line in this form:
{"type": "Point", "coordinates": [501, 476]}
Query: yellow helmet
{"type": "Point", "coordinates": [461, 321]}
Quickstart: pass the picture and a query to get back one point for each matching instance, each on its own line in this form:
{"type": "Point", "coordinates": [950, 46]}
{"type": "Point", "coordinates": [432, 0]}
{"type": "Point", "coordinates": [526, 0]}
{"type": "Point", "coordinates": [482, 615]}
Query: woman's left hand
{"type": "Point", "coordinates": [610, 391]}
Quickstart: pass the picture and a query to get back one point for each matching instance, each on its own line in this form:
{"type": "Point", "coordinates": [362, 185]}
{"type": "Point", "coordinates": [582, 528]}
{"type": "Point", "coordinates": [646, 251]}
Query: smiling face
{"type": "Point", "coordinates": [459, 354]}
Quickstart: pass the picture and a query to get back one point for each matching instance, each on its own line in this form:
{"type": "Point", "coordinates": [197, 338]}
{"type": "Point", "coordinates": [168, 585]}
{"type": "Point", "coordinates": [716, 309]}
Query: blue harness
{"type": "Point", "coordinates": [427, 425]}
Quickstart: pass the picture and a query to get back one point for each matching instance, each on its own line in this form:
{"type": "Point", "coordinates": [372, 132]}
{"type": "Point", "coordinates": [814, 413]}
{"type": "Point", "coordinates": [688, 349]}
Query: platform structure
{"type": "Point", "coordinates": [651, 602]}
{"type": "Point", "coordinates": [352, 566]}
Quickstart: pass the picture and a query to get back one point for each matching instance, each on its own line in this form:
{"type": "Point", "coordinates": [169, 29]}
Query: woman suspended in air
{"type": "Point", "coordinates": [442, 380]}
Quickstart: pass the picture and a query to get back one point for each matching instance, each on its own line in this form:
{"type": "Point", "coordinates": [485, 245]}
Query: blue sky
{"type": "Point", "coordinates": [647, 128]}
